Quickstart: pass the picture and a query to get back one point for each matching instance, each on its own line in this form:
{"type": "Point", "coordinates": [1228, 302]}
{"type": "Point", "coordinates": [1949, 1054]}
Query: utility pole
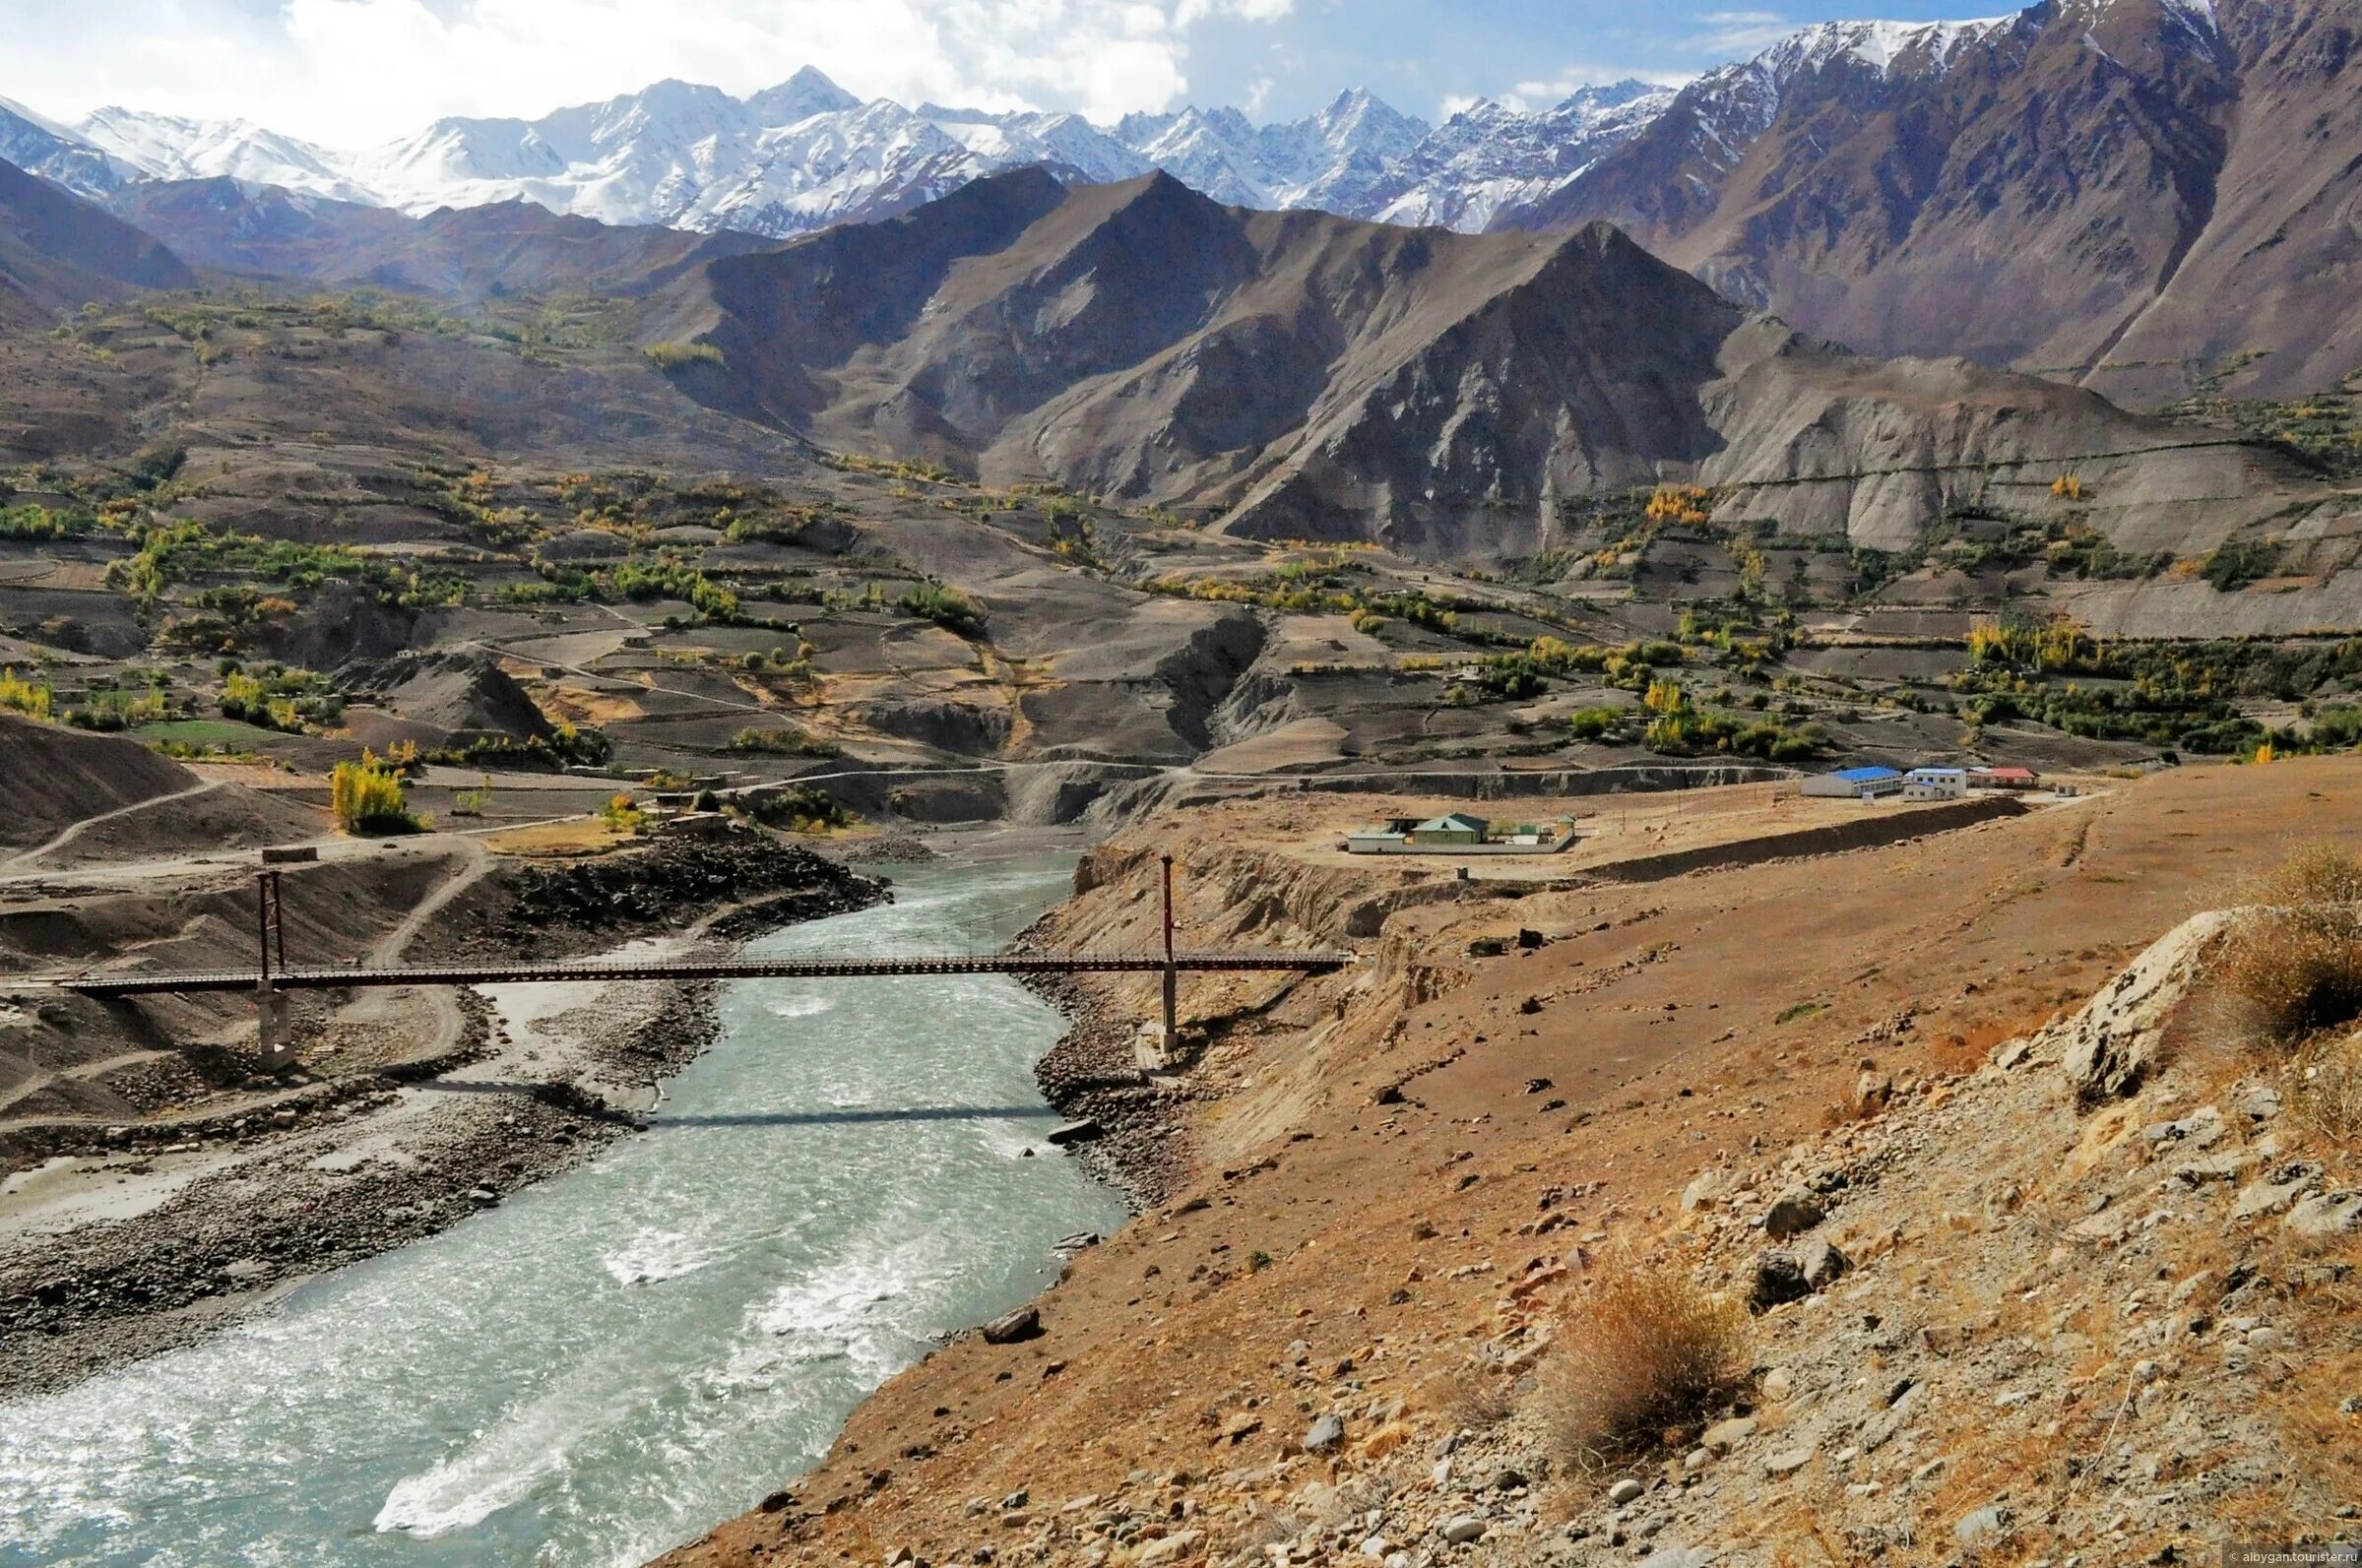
{"type": "Point", "coordinates": [1172, 974]}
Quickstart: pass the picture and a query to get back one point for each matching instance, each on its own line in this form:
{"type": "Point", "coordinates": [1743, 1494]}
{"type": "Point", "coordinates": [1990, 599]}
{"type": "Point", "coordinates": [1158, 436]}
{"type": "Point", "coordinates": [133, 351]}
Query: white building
{"type": "Point", "coordinates": [1936, 784]}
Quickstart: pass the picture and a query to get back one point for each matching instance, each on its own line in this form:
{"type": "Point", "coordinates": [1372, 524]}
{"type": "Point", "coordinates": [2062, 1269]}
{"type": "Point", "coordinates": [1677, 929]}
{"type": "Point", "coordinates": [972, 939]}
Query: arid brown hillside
{"type": "Point", "coordinates": [1304, 376]}
{"type": "Point", "coordinates": [2131, 193]}
{"type": "Point", "coordinates": [1407, 1179]}
{"type": "Point", "coordinates": [57, 251]}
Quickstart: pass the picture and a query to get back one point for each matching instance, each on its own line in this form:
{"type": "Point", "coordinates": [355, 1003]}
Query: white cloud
{"type": "Point", "coordinates": [355, 71]}
{"type": "Point", "coordinates": [1740, 32]}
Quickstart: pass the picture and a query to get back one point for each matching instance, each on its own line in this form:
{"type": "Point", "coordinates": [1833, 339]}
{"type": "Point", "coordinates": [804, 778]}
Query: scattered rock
{"type": "Point", "coordinates": [1873, 1093]}
{"type": "Point", "coordinates": [1788, 1461]}
{"type": "Point", "coordinates": [1170, 1547]}
{"type": "Point", "coordinates": [1326, 1433]}
{"type": "Point", "coordinates": [1462, 1529]}
{"type": "Point", "coordinates": [1792, 1213]}
{"type": "Point", "coordinates": [2327, 1214]}
{"type": "Point", "coordinates": [2276, 1193]}
{"type": "Point", "coordinates": [1822, 1265]}
{"type": "Point", "coordinates": [1624, 1491]}
{"type": "Point", "coordinates": [1705, 1192]}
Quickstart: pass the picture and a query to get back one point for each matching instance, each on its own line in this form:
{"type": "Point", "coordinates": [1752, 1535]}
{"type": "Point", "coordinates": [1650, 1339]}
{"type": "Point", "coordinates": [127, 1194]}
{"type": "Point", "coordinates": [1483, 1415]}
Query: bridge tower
{"type": "Point", "coordinates": [275, 1049]}
{"type": "Point", "coordinates": [1171, 1036]}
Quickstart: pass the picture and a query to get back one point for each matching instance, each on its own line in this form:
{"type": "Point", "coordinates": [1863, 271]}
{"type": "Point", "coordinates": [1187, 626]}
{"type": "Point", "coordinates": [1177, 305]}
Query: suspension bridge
{"type": "Point", "coordinates": [272, 977]}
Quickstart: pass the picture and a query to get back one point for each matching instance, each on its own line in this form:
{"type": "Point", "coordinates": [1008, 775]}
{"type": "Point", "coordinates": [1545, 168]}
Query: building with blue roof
{"type": "Point", "coordinates": [1856, 784]}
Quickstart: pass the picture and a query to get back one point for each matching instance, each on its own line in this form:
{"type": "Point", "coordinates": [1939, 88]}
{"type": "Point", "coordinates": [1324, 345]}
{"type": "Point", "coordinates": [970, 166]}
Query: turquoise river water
{"type": "Point", "coordinates": [609, 1362]}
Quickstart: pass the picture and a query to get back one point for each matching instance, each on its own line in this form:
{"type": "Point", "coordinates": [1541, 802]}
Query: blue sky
{"type": "Point", "coordinates": [1420, 55]}
{"type": "Point", "coordinates": [356, 72]}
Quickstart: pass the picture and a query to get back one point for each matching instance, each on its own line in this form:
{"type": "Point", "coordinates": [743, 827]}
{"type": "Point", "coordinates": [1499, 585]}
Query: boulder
{"type": "Point", "coordinates": [1626, 1490]}
{"type": "Point", "coordinates": [1792, 1213]}
{"type": "Point", "coordinates": [1778, 1279]}
{"type": "Point", "coordinates": [1705, 1192]}
{"type": "Point", "coordinates": [2108, 1048]}
{"type": "Point", "coordinates": [1821, 1263]}
{"type": "Point", "coordinates": [2325, 1213]}
{"type": "Point", "coordinates": [2276, 1193]}
{"type": "Point", "coordinates": [1462, 1529]}
{"type": "Point", "coordinates": [1725, 1435]}
{"type": "Point", "coordinates": [1011, 1327]}
{"type": "Point", "coordinates": [1326, 1433]}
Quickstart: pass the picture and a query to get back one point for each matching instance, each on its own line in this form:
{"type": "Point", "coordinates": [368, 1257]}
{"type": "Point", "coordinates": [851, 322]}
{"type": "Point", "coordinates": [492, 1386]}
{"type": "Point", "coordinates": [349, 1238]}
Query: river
{"type": "Point", "coordinates": [612, 1362]}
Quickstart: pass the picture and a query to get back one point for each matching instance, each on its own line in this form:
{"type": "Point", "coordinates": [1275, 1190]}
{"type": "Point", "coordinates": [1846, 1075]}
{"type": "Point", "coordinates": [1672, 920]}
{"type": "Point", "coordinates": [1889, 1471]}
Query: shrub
{"type": "Point", "coordinates": [947, 607]}
{"type": "Point", "coordinates": [800, 808]}
{"type": "Point", "coordinates": [1647, 1350]}
{"type": "Point", "coordinates": [783, 740]}
{"type": "Point", "coordinates": [1474, 1398]}
{"type": "Point", "coordinates": [671, 356]}
{"type": "Point", "coordinates": [24, 696]}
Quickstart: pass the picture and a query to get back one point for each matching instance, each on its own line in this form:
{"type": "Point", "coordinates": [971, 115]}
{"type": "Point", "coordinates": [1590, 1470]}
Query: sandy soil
{"type": "Point", "coordinates": [1368, 1154]}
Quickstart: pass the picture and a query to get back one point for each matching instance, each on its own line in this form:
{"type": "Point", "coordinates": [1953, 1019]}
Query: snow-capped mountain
{"type": "Point", "coordinates": [1488, 157]}
{"type": "Point", "coordinates": [42, 146]}
{"type": "Point", "coordinates": [806, 153]}
{"type": "Point", "coordinates": [165, 146]}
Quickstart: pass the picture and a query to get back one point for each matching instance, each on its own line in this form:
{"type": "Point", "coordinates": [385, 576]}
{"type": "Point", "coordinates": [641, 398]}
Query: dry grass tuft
{"type": "Point", "coordinates": [2294, 967]}
{"type": "Point", "coordinates": [1646, 1350]}
{"type": "Point", "coordinates": [2314, 873]}
{"type": "Point", "coordinates": [2328, 1090]}
{"type": "Point", "coordinates": [1473, 1398]}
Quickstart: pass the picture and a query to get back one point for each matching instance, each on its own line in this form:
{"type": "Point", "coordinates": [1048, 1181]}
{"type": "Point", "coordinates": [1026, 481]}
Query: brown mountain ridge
{"type": "Point", "coordinates": [1295, 375]}
{"type": "Point", "coordinates": [2144, 196]}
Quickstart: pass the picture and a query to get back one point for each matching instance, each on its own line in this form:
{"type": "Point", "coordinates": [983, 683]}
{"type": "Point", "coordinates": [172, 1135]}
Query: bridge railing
{"type": "Point", "coordinates": [1002, 962]}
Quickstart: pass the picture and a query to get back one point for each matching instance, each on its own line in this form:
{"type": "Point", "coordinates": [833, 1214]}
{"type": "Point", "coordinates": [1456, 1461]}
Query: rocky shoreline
{"type": "Point", "coordinates": [256, 1202]}
{"type": "Point", "coordinates": [1141, 1144]}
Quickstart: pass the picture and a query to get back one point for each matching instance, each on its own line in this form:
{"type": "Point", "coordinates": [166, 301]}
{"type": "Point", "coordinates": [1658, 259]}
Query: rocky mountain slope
{"type": "Point", "coordinates": [57, 252]}
{"type": "Point", "coordinates": [462, 252]}
{"type": "Point", "coordinates": [1301, 376]}
{"type": "Point", "coordinates": [2082, 189]}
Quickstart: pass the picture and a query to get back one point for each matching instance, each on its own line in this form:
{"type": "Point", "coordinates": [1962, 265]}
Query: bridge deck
{"type": "Point", "coordinates": [138, 984]}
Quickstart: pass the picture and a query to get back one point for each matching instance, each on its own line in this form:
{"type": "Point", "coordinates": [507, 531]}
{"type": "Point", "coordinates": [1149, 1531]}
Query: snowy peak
{"type": "Point", "coordinates": [800, 97]}
{"type": "Point", "coordinates": [1888, 48]}
{"type": "Point", "coordinates": [168, 147]}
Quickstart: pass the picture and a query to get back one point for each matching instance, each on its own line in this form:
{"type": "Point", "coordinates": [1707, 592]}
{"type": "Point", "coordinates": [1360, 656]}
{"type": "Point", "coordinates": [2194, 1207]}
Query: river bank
{"type": "Point", "coordinates": [126, 1240]}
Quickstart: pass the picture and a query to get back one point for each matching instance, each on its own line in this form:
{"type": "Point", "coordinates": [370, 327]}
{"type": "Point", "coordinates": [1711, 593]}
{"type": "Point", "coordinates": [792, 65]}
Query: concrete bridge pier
{"type": "Point", "coordinates": [275, 1042]}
